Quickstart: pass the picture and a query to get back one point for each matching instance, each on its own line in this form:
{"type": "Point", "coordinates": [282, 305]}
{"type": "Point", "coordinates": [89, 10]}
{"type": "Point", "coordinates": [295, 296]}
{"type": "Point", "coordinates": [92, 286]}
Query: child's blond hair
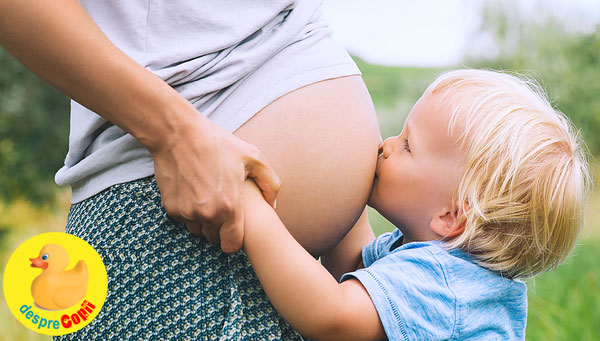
{"type": "Point", "coordinates": [526, 175]}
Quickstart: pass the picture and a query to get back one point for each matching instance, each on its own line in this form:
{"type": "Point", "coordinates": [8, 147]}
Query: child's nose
{"type": "Point", "coordinates": [388, 146]}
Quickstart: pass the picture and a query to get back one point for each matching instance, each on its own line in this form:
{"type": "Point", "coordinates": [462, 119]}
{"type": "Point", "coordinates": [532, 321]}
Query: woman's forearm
{"type": "Point", "coordinates": [58, 41]}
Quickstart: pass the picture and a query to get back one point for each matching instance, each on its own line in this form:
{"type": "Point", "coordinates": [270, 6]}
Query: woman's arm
{"type": "Point", "coordinates": [199, 167]}
{"type": "Point", "coordinates": [346, 256]}
{"type": "Point", "coordinates": [302, 290]}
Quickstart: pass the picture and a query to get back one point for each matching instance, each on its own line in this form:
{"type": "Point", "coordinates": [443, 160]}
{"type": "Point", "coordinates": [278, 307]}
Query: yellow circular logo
{"type": "Point", "coordinates": [55, 283]}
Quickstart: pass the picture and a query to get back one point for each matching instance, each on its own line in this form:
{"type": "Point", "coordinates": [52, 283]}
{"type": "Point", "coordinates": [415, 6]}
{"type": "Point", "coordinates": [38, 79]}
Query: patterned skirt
{"type": "Point", "coordinates": [163, 282]}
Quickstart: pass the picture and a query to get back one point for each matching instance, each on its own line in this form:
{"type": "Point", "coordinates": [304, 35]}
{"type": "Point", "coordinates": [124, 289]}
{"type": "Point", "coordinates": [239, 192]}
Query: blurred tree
{"type": "Point", "coordinates": [34, 125]}
{"type": "Point", "coordinates": [565, 60]}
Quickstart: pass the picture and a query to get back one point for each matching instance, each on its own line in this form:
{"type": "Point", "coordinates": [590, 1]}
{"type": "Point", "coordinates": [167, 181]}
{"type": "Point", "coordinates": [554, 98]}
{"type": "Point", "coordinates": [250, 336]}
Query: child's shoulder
{"type": "Point", "coordinates": [424, 281]}
{"type": "Point", "coordinates": [430, 256]}
{"type": "Point", "coordinates": [456, 269]}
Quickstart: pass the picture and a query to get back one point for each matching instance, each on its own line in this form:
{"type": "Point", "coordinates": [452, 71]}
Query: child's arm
{"type": "Point", "coordinates": [302, 291]}
{"type": "Point", "coordinates": [347, 255]}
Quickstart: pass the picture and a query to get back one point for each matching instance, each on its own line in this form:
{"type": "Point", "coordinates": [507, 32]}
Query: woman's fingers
{"type": "Point", "coordinates": [194, 227]}
{"type": "Point", "coordinates": [211, 232]}
{"type": "Point", "coordinates": [232, 231]}
{"type": "Point", "coordinates": [265, 177]}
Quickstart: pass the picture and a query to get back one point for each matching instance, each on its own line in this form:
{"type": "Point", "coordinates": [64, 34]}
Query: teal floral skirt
{"type": "Point", "coordinates": [163, 282]}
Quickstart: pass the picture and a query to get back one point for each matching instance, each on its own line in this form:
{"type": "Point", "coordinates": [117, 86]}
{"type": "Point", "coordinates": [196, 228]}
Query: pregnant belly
{"type": "Point", "coordinates": [322, 141]}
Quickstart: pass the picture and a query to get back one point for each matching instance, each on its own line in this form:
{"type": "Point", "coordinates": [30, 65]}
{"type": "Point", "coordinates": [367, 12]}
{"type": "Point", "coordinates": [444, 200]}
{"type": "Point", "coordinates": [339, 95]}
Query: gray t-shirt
{"type": "Point", "coordinates": [229, 58]}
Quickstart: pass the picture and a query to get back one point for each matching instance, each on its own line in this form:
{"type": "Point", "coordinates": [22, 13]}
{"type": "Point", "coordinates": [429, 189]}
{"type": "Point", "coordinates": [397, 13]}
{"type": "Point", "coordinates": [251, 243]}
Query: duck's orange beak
{"type": "Point", "coordinates": [38, 263]}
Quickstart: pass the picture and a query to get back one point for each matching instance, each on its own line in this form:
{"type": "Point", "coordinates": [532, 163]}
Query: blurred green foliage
{"type": "Point", "coordinates": [34, 121]}
{"type": "Point", "coordinates": [394, 91]}
{"type": "Point", "coordinates": [565, 61]}
{"type": "Point", "coordinates": [563, 304]}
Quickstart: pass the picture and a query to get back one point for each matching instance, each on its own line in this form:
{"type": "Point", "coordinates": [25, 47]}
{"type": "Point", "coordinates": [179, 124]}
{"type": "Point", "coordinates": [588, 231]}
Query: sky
{"type": "Point", "coordinates": [434, 32]}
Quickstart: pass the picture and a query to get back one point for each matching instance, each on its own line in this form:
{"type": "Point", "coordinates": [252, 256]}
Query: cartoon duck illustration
{"type": "Point", "coordinates": [56, 288]}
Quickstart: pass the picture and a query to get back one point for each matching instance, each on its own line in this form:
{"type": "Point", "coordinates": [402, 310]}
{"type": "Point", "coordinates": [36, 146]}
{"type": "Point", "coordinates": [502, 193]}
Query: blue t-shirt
{"type": "Point", "coordinates": [423, 291]}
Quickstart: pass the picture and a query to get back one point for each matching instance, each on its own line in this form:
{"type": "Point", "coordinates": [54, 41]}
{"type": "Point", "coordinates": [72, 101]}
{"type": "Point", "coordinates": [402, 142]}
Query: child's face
{"type": "Point", "coordinates": [418, 171]}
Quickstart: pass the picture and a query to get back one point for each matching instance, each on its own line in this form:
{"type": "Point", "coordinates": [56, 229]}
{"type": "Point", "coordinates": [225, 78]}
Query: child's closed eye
{"type": "Point", "coordinates": [406, 146]}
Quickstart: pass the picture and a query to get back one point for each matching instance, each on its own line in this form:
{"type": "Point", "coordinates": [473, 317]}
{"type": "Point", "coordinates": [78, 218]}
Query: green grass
{"type": "Point", "coordinates": [565, 304]}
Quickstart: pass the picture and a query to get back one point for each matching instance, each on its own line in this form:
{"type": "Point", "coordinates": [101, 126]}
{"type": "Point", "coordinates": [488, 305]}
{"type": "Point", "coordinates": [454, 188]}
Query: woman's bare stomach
{"type": "Point", "coordinates": [322, 141]}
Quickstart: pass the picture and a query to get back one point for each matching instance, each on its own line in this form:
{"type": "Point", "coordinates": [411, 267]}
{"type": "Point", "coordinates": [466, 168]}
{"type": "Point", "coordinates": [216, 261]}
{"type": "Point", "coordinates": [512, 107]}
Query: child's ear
{"type": "Point", "coordinates": [446, 222]}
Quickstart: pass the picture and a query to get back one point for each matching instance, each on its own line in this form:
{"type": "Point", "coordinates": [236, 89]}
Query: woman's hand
{"type": "Point", "coordinates": [201, 171]}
